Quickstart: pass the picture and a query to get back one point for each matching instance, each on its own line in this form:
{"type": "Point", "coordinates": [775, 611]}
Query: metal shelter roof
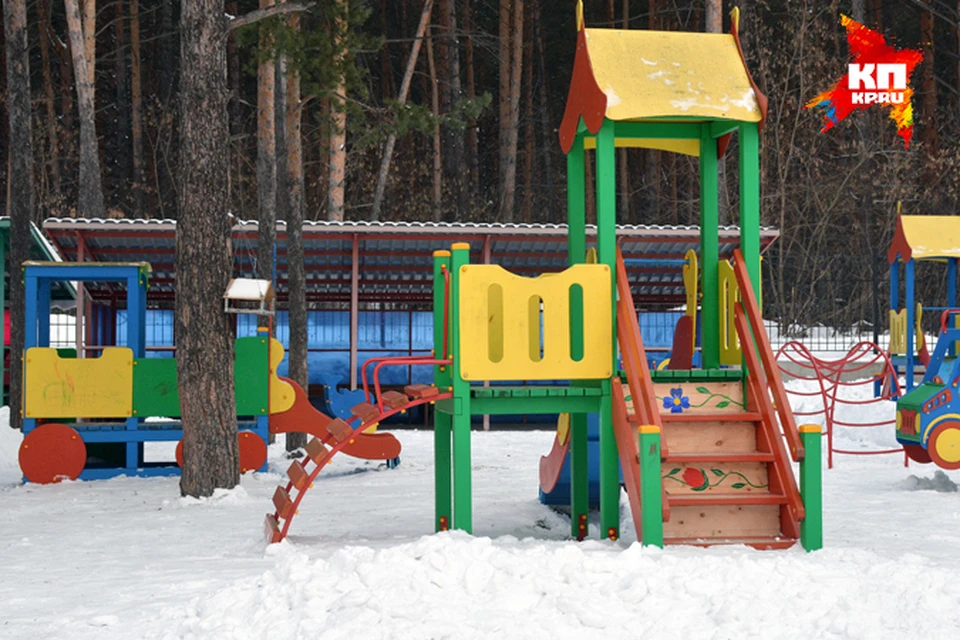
{"type": "Point", "coordinates": [40, 249]}
{"type": "Point", "coordinates": [393, 259]}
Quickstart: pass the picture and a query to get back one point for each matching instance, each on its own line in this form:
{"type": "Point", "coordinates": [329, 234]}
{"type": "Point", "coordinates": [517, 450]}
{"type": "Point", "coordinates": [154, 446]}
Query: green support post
{"type": "Point", "coordinates": [442, 427]}
{"type": "Point", "coordinates": [462, 481]}
{"type": "Point", "coordinates": [709, 249]}
{"type": "Point", "coordinates": [576, 253]}
{"type": "Point", "coordinates": [651, 496]}
{"type": "Point", "coordinates": [811, 488]}
{"type": "Point", "coordinates": [607, 254]}
{"type": "Point", "coordinates": [750, 201]}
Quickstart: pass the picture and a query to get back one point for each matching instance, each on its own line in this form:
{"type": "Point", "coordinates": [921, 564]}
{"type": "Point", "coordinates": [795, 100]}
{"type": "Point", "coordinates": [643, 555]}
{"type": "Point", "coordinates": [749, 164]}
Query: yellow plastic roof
{"type": "Point", "coordinates": [932, 236]}
{"type": "Point", "coordinates": [655, 74]}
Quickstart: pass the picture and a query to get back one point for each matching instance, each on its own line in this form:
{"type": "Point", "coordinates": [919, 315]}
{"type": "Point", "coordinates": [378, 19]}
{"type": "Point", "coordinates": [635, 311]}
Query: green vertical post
{"type": "Point", "coordinates": [3, 303]}
{"type": "Point", "coordinates": [811, 488]}
{"type": "Point", "coordinates": [462, 481]}
{"type": "Point", "coordinates": [442, 427]}
{"type": "Point", "coordinates": [750, 201]}
{"type": "Point", "coordinates": [651, 496]}
{"type": "Point", "coordinates": [576, 254]}
{"type": "Point", "coordinates": [709, 249]}
{"type": "Point", "coordinates": [607, 254]}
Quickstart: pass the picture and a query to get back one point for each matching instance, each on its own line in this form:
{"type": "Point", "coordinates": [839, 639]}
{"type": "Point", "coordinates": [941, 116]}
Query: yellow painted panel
{"type": "Point", "coordinates": [730, 353]}
{"type": "Point", "coordinates": [649, 74]}
{"type": "Point", "coordinates": [898, 332]}
{"type": "Point", "coordinates": [281, 393]}
{"type": "Point", "coordinates": [58, 387]}
{"type": "Point", "coordinates": [932, 236]}
{"type": "Point", "coordinates": [520, 319]}
{"type": "Point", "coordinates": [691, 276]}
{"type": "Point", "coordinates": [686, 147]}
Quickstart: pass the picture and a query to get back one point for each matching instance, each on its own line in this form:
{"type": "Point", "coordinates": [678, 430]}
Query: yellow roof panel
{"type": "Point", "coordinates": [653, 74]}
{"type": "Point", "coordinates": [929, 236]}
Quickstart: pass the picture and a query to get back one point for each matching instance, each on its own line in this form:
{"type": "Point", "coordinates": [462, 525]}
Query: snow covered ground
{"type": "Point", "coordinates": [128, 558]}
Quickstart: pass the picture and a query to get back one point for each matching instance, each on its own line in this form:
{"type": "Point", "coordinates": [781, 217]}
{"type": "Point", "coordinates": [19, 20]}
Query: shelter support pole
{"type": "Point", "coordinates": [442, 427]}
{"type": "Point", "coordinates": [607, 252]}
{"type": "Point", "coordinates": [911, 320]}
{"type": "Point", "coordinates": [709, 249]}
{"type": "Point", "coordinates": [576, 253]}
{"type": "Point", "coordinates": [354, 310]}
{"type": "Point", "coordinates": [750, 203]}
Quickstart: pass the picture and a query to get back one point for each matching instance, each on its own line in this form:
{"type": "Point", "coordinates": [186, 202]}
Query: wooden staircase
{"type": "Point", "coordinates": [720, 472]}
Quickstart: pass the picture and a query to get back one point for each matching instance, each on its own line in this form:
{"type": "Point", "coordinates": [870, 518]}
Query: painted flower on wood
{"type": "Point", "coordinates": [696, 479]}
{"type": "Point", "coordinates": [676, 401]}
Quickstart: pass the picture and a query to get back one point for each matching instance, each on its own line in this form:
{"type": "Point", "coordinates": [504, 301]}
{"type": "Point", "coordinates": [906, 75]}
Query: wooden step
{"type": "Point", "coordinates": [709, 398]}
{"type": "Point", "coordinates": [365, 412]}
{"type": "Point", "coordinates": [421, 390]}
{"type": "Point", "coordinates": [271, 529]}
{"type": "Point", "coordinates": [298, 475]}
{"type": "Point", "coordinates": [317, 451]}
{"type": "Point", "coordinates": [394, 399]}
{"type": "Point", "coordinates": [761, 543]}
{"type": "Point", "coordinates": [340, 430]}
{"type": "Point", "coordinates": [283, 503]}
{"type": "Point", "coordinates": [725, 499]}
{"type": "Point", "coordinates": [722, 456]}
{"type": "Point", "coordinates": [711, 417]}
{"type": "Point", "coordinates": [698, 437]}
{"type": "Point", "coordinates": [718, 521]}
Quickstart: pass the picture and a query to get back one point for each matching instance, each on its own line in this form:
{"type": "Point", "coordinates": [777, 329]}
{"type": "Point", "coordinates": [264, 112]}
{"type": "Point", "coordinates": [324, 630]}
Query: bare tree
{"type": "Point", "coordinates": [266, 154]}
{"type": "Point", "coordinates": [338, 116]}
{"type": "Point", "coordinates": [19, 183]}
{"type": "Point", "coordinates": [52, 126]}
{"type": "Point", "coordinates": [91, 189]}
{"type": "Point", "coordinates": [204, 257]}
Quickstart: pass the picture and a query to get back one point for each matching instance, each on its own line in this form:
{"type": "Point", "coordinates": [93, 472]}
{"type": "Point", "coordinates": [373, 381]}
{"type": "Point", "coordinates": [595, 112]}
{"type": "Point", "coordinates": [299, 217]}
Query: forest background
{"type": "Point", "coordinates": [475, 127]}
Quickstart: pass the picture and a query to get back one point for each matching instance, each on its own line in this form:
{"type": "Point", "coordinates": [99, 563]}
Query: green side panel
{"type": "Point", "coordinates": [698, 375]}
{"type": "Point", "coordinates": [811, 489]}
{"type": "Point", "coordinates": [915, 399]}
{"type": "Point", "coordinates": [155, 388]}
{"type": "Point", "coordinates": [250, 375]}
{"type": "Point", "coordinates": [651, 497]}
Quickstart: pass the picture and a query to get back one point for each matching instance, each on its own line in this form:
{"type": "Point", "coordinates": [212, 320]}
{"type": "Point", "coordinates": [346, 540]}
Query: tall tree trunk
{"type": "Point", "coordinates": [123, 153]}
{"type": "Point", "coordinates": [513, 121]}
{"type": "Point", "coordinates": [19, 183]}
{"type": "Point", "coordinates": [67, 138]}
{"type": "Point", "coordinates": [204, 257]}
{"type": "Point", "coordinates": [547, 138]}
{"type": "Point", "coordinates": [266, 156]}
{"type": "Point", "coordinates": [401, 99]}
{"type": "Point", "coordinates": [296, 274]}
{"type": "Point", "coordinates": [529, 130]}
{"type": "Point", "coordinates": [387, 85]}
{"type": "Point", "coordinates": [338, 117]}
{"type": "Point", "coordinates": [504, 93]}
{"type": "Point", "coordinates": [136, 110]}
{"type": "Point", "coordinates": [714, 15]}
{"type": "Point", "coordinates": [928, 104]}
{"type": "Point", "coordinates": [448, 72]}
{"type": "Point", "coordinates": [437, 159]}
{"type": "Point", "coordinates": [238, 185]}
{"type": "Point", "coordinates": [91, 189]}
{"type": "Point", "coordinates": [89, 8]}
{"type": "Point", "coordinates": [472, 142]}
{"type": "Point", "coordinates": [52, 125]}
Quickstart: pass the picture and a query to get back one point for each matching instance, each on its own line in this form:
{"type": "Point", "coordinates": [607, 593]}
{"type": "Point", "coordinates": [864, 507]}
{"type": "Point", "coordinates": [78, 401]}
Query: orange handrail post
{"type": "Point", "coordinates": [767, 359]}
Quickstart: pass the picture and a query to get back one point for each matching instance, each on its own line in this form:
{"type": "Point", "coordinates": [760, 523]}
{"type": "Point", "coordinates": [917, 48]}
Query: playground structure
{"type": "Point", "coordinates": [109, 398]}
{"type": "Point", "coordinates": [702, 450]}
{"type": "Point", "coordinates": [928, 422]}
{"type": "Point", "coordinates": [919, 239]}
{"type": "Point", "coordinates": [837, 383]}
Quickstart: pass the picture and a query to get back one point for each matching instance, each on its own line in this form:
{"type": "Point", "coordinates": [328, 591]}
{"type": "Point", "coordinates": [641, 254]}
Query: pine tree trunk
{"type": "Point", "coordinates": [338, 119]}
{"type": "Point", "coordinates": [437, 159]}
{"type": "Point", "coordinates": [238, 185]}
{"type": "Point", "coordinates": [928, 104]}
{"type": "Point", "coordinates": [714, 15]}
{"type": "Point", "coordinates": [67, 138]}
{"type": "Point", "coordinates": [529, 129]}
{"type": "Point", "coordinates": [266, 157]}
{"type": "Point", "coordinates": [547, 137]}
{"type": "Point", "coordinates": [448, 71]}
{"type": "Point", "coordinates": [387, 86]}
{"type": "Point", "coordinates": [52, 125]}
{"type": "Point", "coordinates": [472, 142]}
{"type": "Point", "coordinates": [296, 275]}
{"type": "Point", "coordinates": [122, 153]}
{"type": "Point", "coordinates": [504, 94]}
{"type": "Point", "coordinates": [204, 257]}
{"type": "Point", "coordinates": [19, 183]}
{"type": "Point", "coordinates": [89, 10]}
{"type": "Point", "coordinates": [136, 111]}
{"type": "Point", "coordinates": [513, 129]}
{"type": "Point", "coordinates": [90, 201]}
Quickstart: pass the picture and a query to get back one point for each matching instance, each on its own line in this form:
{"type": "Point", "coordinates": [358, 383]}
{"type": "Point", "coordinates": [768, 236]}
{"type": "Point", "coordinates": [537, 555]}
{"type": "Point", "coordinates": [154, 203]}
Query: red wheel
{"type": "Point", "coordinates": [51, 453]}
{"type": "Point", "coordinates": [253, 451]}
{"type": "Point", "coordinates": [944, 445]}
{"type": "Point", "coordinates": [917, 453]}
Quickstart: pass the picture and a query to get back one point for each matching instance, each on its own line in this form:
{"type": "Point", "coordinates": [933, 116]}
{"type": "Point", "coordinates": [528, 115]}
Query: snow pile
{"type": "Point", "coordinates": [10, 440]}
{"type": "Point", "coordinates": [220, 497]}
{"type": "Point", "coordinates": [455, 586]}
{"type": "Point", "coordinates": [939, 482]}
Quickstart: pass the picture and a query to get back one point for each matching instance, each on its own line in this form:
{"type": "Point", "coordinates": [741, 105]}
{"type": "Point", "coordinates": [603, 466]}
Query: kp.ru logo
{"type": "Point", "coordinates": [879, 74]}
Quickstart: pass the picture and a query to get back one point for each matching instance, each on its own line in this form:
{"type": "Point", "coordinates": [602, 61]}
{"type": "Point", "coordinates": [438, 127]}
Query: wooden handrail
{"type": "Point", "coordinates": [758, 384]}
{"type": "Point", "coordinates": [767, 360]}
